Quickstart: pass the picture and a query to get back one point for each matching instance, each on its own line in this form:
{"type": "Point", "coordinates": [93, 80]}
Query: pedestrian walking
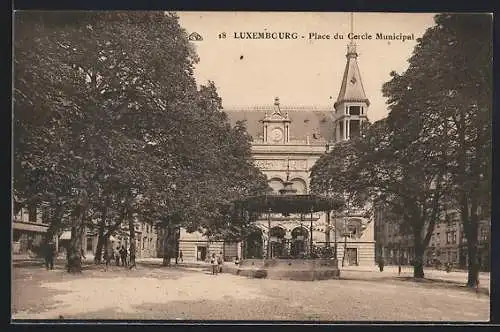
{"type": "Point", "coordinates": [123, 255]}
{"type": "Point", "coordinates": [381, 264]}
{"type": "Point", "coordinates": [49, 253]}
{"type": "Point", "coordinates": [117, 256]}
{"type": "Point", "coordinates": [180, 257]}
{"type": "Point", "coordinates": [82, 256]}
{"type": "Point", "coordinates": [220, 261]}
{"type": "Point", "coordinates": [213, 262]}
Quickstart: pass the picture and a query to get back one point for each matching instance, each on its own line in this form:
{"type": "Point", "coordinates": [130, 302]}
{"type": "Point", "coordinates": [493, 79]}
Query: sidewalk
{"type": "Point", "coordinates": [454, 277]}
{"type": "Point", "coordinates": [408, 269]}
{"type": "Point", "coordinates": [159, 261]}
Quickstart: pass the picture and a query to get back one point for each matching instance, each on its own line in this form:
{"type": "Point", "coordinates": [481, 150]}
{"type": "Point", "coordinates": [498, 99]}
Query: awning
{"type": "Point", "coordinates": [66, 235]}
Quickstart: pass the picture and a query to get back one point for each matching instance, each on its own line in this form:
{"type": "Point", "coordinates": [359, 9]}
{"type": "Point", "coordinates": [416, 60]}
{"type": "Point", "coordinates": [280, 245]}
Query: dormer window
{"type": "Point", "coordinates": [354, 110]}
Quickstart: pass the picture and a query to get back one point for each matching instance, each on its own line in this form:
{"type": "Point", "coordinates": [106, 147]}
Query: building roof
{"type": "Point", "coordinates": [352, 86]}
{"type": "Point", "coordinates": [315, 122]}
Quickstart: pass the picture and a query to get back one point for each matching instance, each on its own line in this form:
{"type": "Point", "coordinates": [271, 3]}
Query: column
{"type": "Point", "coordinates": [348, 131]}
{"type": "Point", "coordinates": [265, 133]}
{"type": "Point", "coordinates": [239, 250]}
{"type": "Point", "coordinates": [345, 129]}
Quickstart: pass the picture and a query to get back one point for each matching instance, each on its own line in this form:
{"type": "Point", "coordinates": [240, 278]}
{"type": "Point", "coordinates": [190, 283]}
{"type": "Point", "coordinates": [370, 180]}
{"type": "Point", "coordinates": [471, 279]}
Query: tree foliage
{"type": "Point", "coordinates": [109, 123]}
{"type": "Point", "coordinates": [433, 151]}
{"type": "Point", "coordinates": [450, 97]}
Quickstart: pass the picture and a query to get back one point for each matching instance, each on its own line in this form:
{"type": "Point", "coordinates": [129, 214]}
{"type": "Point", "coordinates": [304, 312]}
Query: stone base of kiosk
{"type": "Point", "coordinates": [286, 269]}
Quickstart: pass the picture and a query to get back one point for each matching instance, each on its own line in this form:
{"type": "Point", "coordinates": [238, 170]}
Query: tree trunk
{"type": "Point", "coordinates": [73, 254]}
{"type": "Point", "coordinates": [167, 245]}
{"type": "Point", "coordinates": [100, 242]}
{"type": "Point", "coordinates": [418, 263]}
{"type": "Point", "coordinates": [472, 242]}
{"type": "Point", "coordinates": [345, 250]}
{"type": "Point", "coordinates": [132, 249]}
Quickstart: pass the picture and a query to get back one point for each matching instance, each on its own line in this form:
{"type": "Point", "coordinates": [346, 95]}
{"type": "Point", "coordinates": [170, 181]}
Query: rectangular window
{"type": "Point", "coordinates": [354, 110]}
{"type": "Point", "coordinates": [32, 213]}
{"type": "Point", "coordinates": [89, 244]}
{"type": "Point", "coordinates": [454, 239]}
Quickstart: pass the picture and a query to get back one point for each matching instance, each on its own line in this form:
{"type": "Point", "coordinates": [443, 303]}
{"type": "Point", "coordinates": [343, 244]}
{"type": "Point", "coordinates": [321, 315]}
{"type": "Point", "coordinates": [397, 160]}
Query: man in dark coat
{"type": "Point", "coordinates": [49, 255]}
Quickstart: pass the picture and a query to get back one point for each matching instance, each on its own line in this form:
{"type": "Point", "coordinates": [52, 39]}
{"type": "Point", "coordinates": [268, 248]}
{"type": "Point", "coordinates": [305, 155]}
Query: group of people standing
{"type": "Point", "coordinates": [119, 255]}
{"type": "Point", "coordinates": [216, 261]}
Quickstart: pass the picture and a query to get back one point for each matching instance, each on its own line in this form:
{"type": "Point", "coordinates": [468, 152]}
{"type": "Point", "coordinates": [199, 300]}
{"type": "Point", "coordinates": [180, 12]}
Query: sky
{"type": "Point", "coordinates": [302, 71]}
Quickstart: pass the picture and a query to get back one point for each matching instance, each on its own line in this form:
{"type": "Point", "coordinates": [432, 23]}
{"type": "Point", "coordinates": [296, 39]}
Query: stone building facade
{"type": "Point", "coordinates": [28, 230]}
{"type": "Point", "coordinates": [448, 243]}
{"type": "Point", "coordinates": [287, 141]}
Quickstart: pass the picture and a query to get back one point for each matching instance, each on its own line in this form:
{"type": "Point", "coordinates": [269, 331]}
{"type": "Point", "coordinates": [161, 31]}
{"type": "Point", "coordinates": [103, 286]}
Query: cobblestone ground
{"type": "Point", "coordinates": [152, 292]}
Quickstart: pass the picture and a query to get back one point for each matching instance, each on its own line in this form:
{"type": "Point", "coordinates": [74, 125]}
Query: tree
{"type": "Point", "coordinates": [450, 96]}
{"type": "Point", "coordinates": [401, 175]}
{"type": "Point", "coordinates": [110, 124]}
{"type": "Point", "coordinates": [334, 175]}
{"type": "Point", "coordinates": [215, 168]}
{"type": "Point", "coordinates": [84, 85]}
{"type": "Point", "coordinates": [388, 166]}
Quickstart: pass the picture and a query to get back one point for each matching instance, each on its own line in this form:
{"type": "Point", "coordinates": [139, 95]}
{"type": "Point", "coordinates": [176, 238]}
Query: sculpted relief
{"type": "Point", "coordinates": [281, 164]}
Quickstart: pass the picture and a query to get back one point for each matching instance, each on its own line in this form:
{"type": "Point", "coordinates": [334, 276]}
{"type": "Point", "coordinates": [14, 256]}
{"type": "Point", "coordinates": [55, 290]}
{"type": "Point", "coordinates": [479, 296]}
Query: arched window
{"type": "Point", "coordinates": [300, 185]}
{"type": "Point", "coordinates": [276, 184]}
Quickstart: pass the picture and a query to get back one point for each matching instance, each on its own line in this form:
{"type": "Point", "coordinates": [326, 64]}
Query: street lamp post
{"type": "Point", "coordinates": [311, 231]}
{"type": "Point", "coordinates": [335, 236]}
{"type": "Point", "coordinates": [327, 234]}
{"type": "Point", "coordinates": [399, 260]}
{"type": "Point", "coordinates": [268, 254]}
{"type": "Point", "coordinates": [345, 232]}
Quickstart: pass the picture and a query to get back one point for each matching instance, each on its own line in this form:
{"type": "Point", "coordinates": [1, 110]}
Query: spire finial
{"type": "Point", "coordinates": [351, 47]}
{"type": "Point", "coordinates": [277, 106]}
{"type": "Point", "coordinates": [352, 23]}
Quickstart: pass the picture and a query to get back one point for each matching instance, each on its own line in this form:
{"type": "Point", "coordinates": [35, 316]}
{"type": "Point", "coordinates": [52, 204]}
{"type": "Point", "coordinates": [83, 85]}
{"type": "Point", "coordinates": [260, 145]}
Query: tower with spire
{"type": "Point", "coordinates": [351, 107]}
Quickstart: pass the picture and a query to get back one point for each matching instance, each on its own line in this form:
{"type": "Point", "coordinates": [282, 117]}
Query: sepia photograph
{"type": "Point", "coordinates": [293, 167]}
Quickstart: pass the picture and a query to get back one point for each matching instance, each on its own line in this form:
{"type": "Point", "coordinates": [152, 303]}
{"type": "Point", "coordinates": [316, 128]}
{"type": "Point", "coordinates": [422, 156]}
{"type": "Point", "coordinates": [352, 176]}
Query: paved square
{"type": "Point", "coordinates": [153, 292]}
